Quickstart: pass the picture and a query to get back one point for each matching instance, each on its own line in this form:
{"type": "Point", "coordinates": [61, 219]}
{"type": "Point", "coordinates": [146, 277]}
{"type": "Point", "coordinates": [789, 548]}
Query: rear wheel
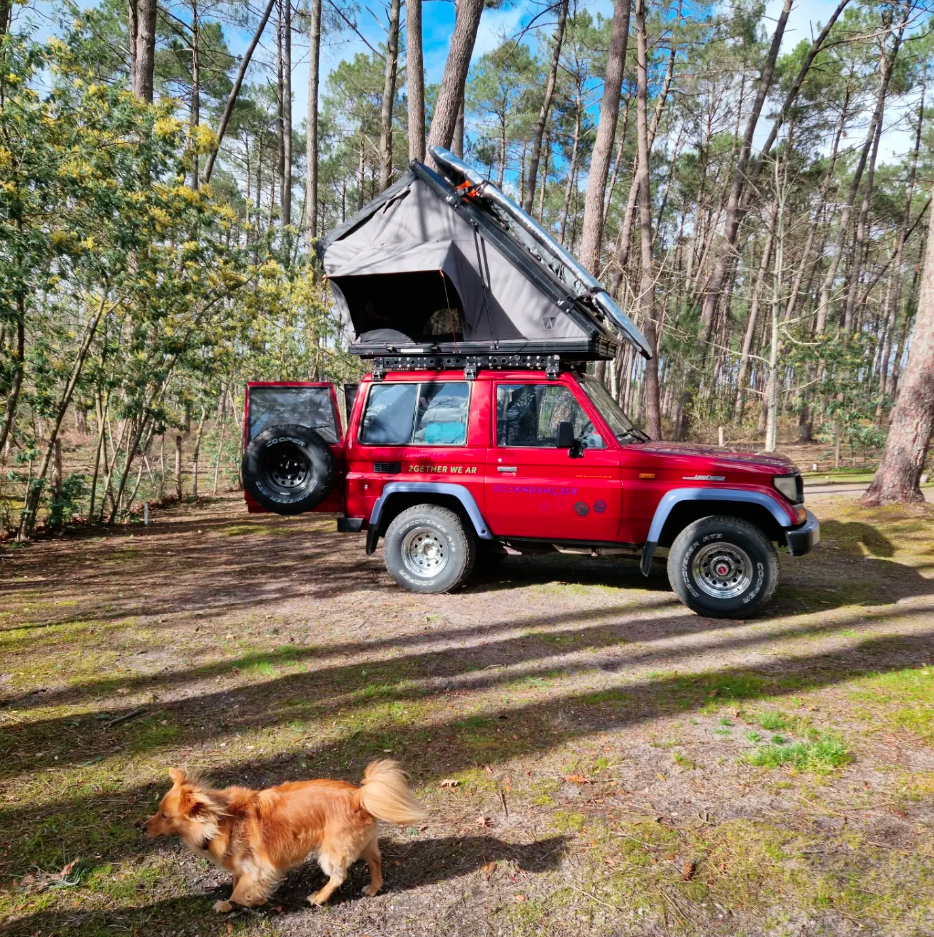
{"type": "Point", "coordinates": [723, 567]}
{"type": "Point", "coordinates": [288, 469]}
{"type": "Point", "coordinates": [427, 549]}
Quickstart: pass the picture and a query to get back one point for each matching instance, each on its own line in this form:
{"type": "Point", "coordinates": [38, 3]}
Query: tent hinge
{"type": "Point", "coordinates": [471, 367]}
{"type": "Point", "coordinates": [379, 369]}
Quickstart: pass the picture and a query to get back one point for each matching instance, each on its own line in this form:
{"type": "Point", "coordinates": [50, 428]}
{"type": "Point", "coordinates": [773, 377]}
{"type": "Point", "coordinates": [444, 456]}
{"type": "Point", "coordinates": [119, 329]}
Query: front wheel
{"type": "Point", "coordinates": [723, 567]}
{"type": "Point", "coordinates": [427, 549]}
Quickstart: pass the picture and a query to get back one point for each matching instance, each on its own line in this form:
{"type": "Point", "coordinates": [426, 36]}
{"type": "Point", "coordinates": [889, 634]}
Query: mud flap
{"type": "Point", "coordinates": [648, 554]}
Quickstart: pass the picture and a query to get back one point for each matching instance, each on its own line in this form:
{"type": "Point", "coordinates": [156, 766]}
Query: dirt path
{"type": "Point", "coordinates": [597, 759]}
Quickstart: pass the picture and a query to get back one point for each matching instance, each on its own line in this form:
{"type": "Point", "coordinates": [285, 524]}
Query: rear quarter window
{"type": "Point", "coordinates": [306, 406]}
{"type": "Point", "coordinates": [425, 414]}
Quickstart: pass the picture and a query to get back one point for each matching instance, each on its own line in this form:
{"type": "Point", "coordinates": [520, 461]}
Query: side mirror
{"type": "Point", "coordinates": [566, 440]}
{"type": "Point", "coordinates": [565, 435]}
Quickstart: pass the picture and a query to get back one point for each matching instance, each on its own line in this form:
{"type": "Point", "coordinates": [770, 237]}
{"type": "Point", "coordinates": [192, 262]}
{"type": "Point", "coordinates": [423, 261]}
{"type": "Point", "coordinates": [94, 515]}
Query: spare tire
{"type": "Point", "coordinates": [288, 469]}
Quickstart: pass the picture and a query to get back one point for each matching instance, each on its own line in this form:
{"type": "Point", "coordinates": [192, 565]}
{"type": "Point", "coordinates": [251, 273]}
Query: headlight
{"type": "Point", "coordinates": [790, 486]}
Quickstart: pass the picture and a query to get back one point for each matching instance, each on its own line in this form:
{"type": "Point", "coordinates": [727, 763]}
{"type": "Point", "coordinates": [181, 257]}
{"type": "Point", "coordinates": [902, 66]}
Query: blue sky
{"type": "Point", "coordinates": [495, 25]}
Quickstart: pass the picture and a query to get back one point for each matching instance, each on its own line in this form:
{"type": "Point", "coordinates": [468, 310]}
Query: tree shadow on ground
{"type": "Point", "coordinates": [406, 865]}
{"type": "Point", "coordinates": [439, 749]}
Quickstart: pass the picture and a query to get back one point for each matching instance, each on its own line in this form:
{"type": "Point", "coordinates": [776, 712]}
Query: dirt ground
{"type": "Point", "coordinates": [597, 759]}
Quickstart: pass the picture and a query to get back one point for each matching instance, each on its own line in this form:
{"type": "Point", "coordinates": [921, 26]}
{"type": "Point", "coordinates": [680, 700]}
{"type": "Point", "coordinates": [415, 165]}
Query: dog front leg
{"type": "Point", "coordinates": [248, 892]}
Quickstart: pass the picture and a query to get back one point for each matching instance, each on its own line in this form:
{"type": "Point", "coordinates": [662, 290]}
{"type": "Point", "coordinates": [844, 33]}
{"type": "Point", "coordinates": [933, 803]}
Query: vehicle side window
{"type": "Point", "coordinates": [307, 406]}
{"type": "Point", "coordinates": [442, 414]}
{"type": "Point", "coordinates": [428, 414]}
{"type": "Point", "coordinates": [529, 414]}
{"type": "Point", "coordinates": [390, 411]}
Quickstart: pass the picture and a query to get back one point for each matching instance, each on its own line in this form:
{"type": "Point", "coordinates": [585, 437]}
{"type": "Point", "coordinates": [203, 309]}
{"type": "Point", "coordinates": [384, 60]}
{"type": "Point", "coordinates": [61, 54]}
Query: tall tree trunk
{"type": "Point", "coordinates": [311, 153]}
{"type": "Point", "coordinates": [286, 98]}
{"type": "Point", "coordinates": [844, 223]}
{"type": "Point", "coordinates": [739, 403]}
{"type": "Point", "coordinates": [235, 90]}
{"type": "Point", "coordinates": [178, 467]}
{"type": "Point", "coordinates": [280, 118]}
{"type": "Point", "coordinates": [653, 419]}
{"type": "Point", "coordinates": [415, 76]}
{"type": "Point", "coordinates": [715, 281]}
{"type": "Point", "coordinates": [606, 134]}
{"type": "Point", "coordinates": [132, 33]}
{"type": "Point", "coordinates": [625, 235]}
{"type": "Point", "coordinates": [195, 113]}
{"type": "Point", "coordinates": [528, 194]}
{"type": "Point", "coordinates": [389, 94]}
{"type": "Point", "coordinates": [457, 144]}
{"type": "Point", "coordinates": [451, 93]}
{"type": "Point", "coordinates": [572, 170]}
{"type": "Point", "coordinates": [19, 355]}
{"type": "Point", "coordinates": [899, 473]}
{"type": "Point", "coordinates": [143, 75]}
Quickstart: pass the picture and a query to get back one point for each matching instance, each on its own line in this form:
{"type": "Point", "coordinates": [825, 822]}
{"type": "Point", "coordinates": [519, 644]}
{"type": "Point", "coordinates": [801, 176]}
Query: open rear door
{"type": "Point", "coordinates": [309, 404]}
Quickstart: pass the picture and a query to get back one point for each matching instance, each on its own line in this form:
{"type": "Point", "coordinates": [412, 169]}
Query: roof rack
{"type": "Point", "coordinates": [552, 365]}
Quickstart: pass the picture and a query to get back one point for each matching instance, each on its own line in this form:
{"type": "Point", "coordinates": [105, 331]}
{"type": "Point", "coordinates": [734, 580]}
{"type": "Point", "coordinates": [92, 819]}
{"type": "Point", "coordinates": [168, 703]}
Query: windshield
{"type": "Point", "coordinates": [622, 427]}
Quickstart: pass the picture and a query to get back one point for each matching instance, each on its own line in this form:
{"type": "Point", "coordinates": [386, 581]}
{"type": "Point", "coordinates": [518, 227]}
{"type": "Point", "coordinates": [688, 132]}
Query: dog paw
{"type": "Point", "coordinates": [222, 907]}
{"type": "Point", "coordinates": [370, 890]}
{"type": "Point", "coordinates": [316, 899]}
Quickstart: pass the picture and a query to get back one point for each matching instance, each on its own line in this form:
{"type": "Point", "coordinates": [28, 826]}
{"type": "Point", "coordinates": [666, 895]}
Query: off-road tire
{"type": "Point", "coordinates": [710, 561]}
{"type": "Point", "coordinates": [288, 469]}
{"type": "Point", "coordinates": [415, 540]}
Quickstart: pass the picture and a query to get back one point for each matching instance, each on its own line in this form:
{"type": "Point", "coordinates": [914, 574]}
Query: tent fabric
{"type": "Point", "coordinates": [411, 230]}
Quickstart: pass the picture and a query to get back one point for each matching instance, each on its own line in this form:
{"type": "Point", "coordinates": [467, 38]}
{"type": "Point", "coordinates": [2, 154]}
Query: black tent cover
{"type": "Point", "coordinates": [450, 265]}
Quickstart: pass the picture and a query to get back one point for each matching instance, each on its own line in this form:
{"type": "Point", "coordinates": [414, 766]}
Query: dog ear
{"type": "Point", "coordinates": [199, 805]}
{"type": "Point", "coordinates": [178, 775]}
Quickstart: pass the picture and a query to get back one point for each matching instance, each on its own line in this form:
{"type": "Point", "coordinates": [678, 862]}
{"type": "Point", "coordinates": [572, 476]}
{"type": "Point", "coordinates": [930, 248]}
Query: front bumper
{"type": "Point", "coordinates": [803, 539]}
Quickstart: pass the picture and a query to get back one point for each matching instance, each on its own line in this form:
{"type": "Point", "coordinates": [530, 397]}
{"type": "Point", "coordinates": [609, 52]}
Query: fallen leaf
{"type": "Point", "coordinates": [578, 779]}
{"type": "Point", "coordinates": [68, 869]}
{"type": "Point", "coordinates": [488, 769]}
{"type": "Point", "coordinates": [449, 782]}
{"type": "Point", "coordinates": [488, 869]}
{"type": "Point", "coordinates": [688, 870]}
{"type": "Point", "coordinates": [520, 897]}
{"type": "Point", "coordinates": [229, 928]}
{"type": "Point", "coordinates": [483, 821]}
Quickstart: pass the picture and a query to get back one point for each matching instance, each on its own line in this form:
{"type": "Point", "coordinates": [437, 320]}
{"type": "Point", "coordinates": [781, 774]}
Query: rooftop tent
{"type": "Point", "coordinates": [432, 267]}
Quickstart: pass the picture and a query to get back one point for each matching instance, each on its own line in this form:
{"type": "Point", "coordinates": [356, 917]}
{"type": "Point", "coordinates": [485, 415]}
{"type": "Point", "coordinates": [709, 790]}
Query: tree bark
{"type": "Point", "coordinates": [538, 134]}
{"type": "Point", "coordinates": [415, 76]}
{"type": "Point", "coordinates": [389, 94]}
{"type": "Point", "coordinates": [647, 284]}
{"type": "Point", "coordinates": [606, 134]}
{"type": "Point", "coordinates": [451, 93]}
{"type": "Point", "coordinates": [132, 33]}
{"type": "Point", "coordinates": [286, 98]}
{"type": "Point", "coordinates": [19, 357]}
{"type": "Point", "coordinates": [898, 477]}
{"type": "Point", "coordinates": [235, 90]}
{"type": "Point", "coordinates": [739, 404]}
{"type": "Point", "coordinates": [311, 153]}
{"type": "Point", "coordinates": [195, 112]}
{"type": "Point", "coordinates": [178, 467]}
{"type": "Point", "coordinates": [143, 74]}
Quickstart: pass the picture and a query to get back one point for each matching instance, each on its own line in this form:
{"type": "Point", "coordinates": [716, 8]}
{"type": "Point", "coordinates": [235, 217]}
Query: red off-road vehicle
{"type": "Point", "coordinates": [474, 460]}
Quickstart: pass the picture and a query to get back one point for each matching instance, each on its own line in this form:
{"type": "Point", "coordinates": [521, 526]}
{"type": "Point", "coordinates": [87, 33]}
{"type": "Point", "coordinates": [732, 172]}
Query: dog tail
{"type": "Point", "coordinates": [384, 792]}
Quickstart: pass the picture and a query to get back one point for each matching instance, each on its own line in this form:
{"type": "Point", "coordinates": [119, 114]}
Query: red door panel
{"type": "Point", "coordinates": [538, 490]}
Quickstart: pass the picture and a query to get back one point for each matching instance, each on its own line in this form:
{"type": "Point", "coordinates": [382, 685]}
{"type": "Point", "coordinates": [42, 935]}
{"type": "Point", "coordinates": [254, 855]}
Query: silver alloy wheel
{"type": "Point", "coordinates": [722, 570]}
{"type": "Point", "coordinates": [424, 552]}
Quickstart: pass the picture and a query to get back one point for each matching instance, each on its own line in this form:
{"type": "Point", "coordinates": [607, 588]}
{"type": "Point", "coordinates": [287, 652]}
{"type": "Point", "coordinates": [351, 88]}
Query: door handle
{"type": "Point", "coordinates": [507, 468]}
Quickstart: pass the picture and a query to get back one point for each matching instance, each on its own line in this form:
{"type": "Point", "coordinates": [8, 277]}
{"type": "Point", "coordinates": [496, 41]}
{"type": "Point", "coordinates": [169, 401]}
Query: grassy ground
{"type": "Point", "coordinates": [597, 759]}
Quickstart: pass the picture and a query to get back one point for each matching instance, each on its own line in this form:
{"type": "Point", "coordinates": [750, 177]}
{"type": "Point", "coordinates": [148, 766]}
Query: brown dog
{"type": "Point", "coordinates": [261, 835]}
